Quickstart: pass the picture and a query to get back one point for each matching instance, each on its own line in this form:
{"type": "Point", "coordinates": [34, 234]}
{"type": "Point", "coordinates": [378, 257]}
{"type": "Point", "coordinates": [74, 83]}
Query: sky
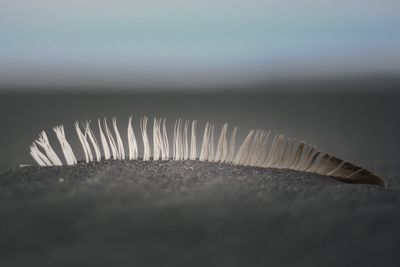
{"type": "Point", "coordinates": [194, 43]}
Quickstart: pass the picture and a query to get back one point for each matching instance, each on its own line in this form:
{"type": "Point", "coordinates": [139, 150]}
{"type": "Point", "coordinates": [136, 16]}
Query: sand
{"type": "Point", "coordinates": [190, 213]}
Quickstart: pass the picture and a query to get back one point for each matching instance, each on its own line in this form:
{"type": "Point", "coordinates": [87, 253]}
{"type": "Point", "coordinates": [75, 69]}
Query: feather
{"type": "Point", "coordinates": [255, 150]}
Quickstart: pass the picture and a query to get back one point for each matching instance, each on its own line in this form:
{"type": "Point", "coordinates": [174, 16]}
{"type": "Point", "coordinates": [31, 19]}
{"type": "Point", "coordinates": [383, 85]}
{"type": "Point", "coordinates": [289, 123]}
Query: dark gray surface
{"type": "Point", "coordinates": [121, 213]}
{"type": "Point", "coordinates": [169, 214]}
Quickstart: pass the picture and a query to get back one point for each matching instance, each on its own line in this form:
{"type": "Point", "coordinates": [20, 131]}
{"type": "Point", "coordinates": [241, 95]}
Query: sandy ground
{"type": "Point", "coordinates": [166, 213]}
{"type": "Point", "coordinates": [204, 214]}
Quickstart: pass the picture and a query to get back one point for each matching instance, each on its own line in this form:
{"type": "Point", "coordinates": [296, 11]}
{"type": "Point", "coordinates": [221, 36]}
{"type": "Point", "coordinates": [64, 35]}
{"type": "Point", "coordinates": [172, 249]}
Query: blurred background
{"type": "Point", "coordinates": [323, 71]}
{"type": "Point", "coordinates": [194, 44]}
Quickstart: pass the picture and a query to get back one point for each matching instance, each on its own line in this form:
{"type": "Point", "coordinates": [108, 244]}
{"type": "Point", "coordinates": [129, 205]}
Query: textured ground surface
{"type": "Point", "coordinates": [192, 214]}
